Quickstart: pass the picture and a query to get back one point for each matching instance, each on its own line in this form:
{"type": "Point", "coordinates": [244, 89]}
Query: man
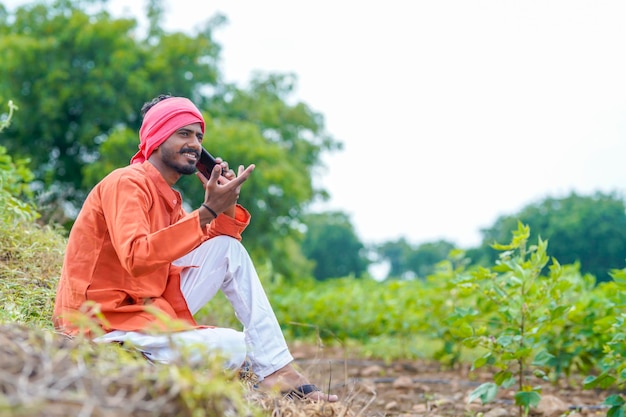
{"type": "Point", "coordinates": [145, 263]}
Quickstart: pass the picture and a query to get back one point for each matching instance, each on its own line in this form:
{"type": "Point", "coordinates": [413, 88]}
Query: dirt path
{"type": "Point", "coordinates": [417, 388]}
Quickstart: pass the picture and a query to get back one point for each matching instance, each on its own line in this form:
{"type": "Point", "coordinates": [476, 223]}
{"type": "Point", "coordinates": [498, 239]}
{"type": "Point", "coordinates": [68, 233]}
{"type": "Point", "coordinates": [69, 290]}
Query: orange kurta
{"type": "Point", "coordinates": [120, 251]}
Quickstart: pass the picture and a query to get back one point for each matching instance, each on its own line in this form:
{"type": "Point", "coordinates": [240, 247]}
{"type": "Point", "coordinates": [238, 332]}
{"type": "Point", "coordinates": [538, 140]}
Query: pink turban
{"type": "Point", "coordinates": [161, 121]}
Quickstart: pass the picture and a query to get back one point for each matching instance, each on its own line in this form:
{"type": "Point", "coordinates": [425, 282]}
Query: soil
{"type": "Point", "coordinates": [371, 388]}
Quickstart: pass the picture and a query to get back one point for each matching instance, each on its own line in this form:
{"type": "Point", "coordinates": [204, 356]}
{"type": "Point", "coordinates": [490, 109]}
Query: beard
{"type": "Point", "coordinates": [170, 157]}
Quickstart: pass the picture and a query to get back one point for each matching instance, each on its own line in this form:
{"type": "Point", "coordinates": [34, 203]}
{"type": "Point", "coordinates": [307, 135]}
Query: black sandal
{"type": "Point", "coordinates": [301, 392]}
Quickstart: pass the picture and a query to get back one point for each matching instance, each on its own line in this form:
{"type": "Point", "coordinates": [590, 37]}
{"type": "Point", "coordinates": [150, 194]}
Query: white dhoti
{"type": "Point", "coordinates": [222, 263]}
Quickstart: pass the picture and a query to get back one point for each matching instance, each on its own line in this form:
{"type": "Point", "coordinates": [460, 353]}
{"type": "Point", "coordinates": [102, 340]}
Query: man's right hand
{"type": "Point", "coordinates": [222, 190]}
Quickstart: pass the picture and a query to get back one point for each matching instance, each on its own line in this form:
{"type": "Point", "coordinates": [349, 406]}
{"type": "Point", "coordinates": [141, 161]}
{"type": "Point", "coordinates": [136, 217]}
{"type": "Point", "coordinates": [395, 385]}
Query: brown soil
{"type": "Point", "coordinates": [371, 388]}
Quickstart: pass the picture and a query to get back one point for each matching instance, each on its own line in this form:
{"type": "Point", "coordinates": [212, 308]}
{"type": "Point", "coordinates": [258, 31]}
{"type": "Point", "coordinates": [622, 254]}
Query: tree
{"type": "Point", "coordinates": [397, 254]}
{"type": "Point", "coordinates": [330, 241]}
{"type": "Point", "coordinates": [83, 76]}
{"type": "Point", "coordinates": [80, 76]}
{"type": "Point", "coordinates": [407, 261]}
{"type": "Point", "coordinates": [590, 230]}
{"type": "Point", "coordinates": [426, 256]}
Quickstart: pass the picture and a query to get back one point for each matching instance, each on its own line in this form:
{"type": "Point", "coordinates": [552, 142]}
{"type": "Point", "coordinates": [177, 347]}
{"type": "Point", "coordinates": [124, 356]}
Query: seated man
{"type": "Point", "coordinates": [133, 250]}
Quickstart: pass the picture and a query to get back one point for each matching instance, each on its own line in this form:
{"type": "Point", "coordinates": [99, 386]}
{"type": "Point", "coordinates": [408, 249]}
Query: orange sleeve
{"type": "Point", "coordinates": [230, 226]}
{"type": "Point", "coordinates": [143, 240]}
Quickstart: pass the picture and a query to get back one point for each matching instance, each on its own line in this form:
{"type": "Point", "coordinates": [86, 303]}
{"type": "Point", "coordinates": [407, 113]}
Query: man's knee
{"type": "Point", "coordinates": [230, 246]}
{"type": "Point", "coordinates": [224, 240]}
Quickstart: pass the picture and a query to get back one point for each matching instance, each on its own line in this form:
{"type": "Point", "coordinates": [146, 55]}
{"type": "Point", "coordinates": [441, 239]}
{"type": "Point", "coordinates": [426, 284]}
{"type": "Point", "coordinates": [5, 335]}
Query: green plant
{"type": "Point", "coordinates": [5, 120]}
{"type": "Point", "coordinates": [450, 293]}
{"type": "Point", "coordinates": [612, 365]}
{"type": "Point", "coordinates": [14, 181]}
{"type": "Point", "coordinates": [521, 306]}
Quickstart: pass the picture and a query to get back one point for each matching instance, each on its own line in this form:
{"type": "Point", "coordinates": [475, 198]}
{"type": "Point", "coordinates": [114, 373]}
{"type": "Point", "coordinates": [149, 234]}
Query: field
{"type": "Point", "coordinates": [547, 337]}
{"type": "Point", "coordinates": [43, 375]}
{"type": "Point", "coordinates": [413, 388]}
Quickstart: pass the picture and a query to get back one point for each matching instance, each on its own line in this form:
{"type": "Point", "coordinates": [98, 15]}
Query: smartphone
{"type": "Point", "coordinates": [206, 163]}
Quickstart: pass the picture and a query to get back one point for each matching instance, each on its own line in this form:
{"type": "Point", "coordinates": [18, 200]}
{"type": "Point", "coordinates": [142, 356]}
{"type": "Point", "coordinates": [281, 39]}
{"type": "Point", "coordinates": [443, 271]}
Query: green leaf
{"type": "Point", "coordinates": [462, 330]}
{"type": "Point", "coordinates": [559, 312]}
{"type": "Point", "coordinates": [543, 358]}
{"type": "Point", "coordinates": [509, 382]}
{"type": "Point", "coordinates": [527, 399]}
{"type": "Point", "coordinates": [505, 341]}
{"type": "Point", "coordinates": [501, 376]}
{"type": "Point", "coordinates": [483, 360]}
{"type": "Point", "coordinates": [619, 277]}
{"type": "Point", "coordinates": [504, 379]}
{"type": "Point", "coordinates": [590, 382]}
{"type": "Point", "coordinates": [614, 400]}
{"type": "Point", "coordinates": [485, 392]}
{"type": "Point", "coordinates": [615, 412]}
{"type": "Point", "coordinates": [603, 381]}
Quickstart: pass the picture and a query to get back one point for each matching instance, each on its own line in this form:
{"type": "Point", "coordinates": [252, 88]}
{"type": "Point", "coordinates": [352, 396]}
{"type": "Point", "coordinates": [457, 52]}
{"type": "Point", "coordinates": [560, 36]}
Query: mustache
{"type": "Point", "coordinates": [190, 150]}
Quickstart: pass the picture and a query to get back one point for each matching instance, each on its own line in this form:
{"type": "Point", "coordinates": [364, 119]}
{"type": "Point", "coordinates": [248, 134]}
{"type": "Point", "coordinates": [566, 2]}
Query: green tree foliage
{"type": "Point", "coordinates": [80, 75]}
{"type": "Point", "coordinates": [330, 241]}
{"type": "Point", "coordinates": [408, 261]}
{"type": "Point", "coordinates": [396, 253]}
{"type": "Point", "coordinates": [83, 76]}
{"type": "Point", "coordinates": [15, 195]}
{"type": "Point", "coordinates": [590, 230]}
{"type": "Point", "coordinates": [423, 260]}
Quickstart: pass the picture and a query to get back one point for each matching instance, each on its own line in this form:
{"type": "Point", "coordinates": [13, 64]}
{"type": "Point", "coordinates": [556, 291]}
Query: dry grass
{"type": "Point", "coordinates": [31, 257]}
{"type": "Point", "coordinates": [46, 374]}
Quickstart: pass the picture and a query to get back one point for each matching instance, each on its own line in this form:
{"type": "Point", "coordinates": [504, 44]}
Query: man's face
{"type": "Point", "coordinates": [181, 151]}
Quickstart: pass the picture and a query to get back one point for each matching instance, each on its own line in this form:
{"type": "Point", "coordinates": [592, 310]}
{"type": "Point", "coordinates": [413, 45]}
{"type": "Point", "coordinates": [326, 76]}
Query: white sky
{"type": "Point", "coordinates": [452, 112]}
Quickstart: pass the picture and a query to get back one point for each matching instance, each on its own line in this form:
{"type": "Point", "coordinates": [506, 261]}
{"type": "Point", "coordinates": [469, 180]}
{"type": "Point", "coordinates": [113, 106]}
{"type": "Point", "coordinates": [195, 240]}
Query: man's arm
{"type": "Point", "coordinates": [140, 229]}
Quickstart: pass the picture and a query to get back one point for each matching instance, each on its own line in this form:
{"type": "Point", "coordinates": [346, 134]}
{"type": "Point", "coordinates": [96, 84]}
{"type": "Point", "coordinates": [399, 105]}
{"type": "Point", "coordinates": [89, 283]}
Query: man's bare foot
{"type": "Point", "coordinates": [288, 380]}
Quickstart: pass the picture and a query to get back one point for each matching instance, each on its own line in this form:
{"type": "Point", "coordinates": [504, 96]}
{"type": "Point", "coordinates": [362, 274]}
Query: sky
{"type": "Point", "coordinates": [452, 113]}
